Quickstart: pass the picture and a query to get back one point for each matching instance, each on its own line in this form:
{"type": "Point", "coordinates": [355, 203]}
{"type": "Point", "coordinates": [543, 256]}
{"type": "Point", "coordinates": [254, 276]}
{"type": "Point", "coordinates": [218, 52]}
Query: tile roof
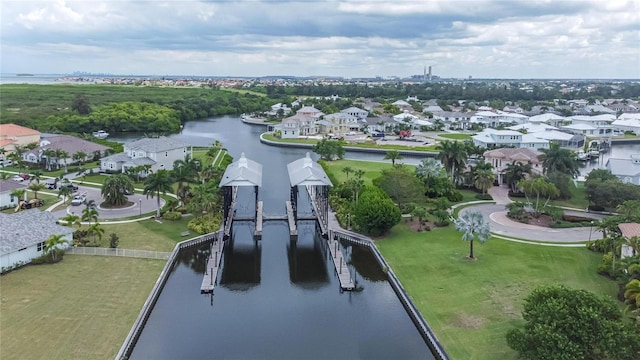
{"type": "Point", "coordinates": [26, 228]}
{"type": "Point", "coordinates": [68, 143]}
{"type": "Point", "coordinates": [517, 154]}
{"type": "Point", "coordinates": [8, 185]}
{"type": "Point", "coordinates": [16, 130]}
{"type": "Point", "coordinates": [629, 230]}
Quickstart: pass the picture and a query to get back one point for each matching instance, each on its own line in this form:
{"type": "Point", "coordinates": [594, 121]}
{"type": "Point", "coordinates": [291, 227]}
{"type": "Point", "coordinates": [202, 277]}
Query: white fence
{"type": "Point", "coordinates": [143, 254]}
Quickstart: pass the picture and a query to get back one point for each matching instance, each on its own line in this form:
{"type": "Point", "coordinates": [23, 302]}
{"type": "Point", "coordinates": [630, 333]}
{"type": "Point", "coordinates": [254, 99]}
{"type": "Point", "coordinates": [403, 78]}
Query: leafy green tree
{"type": "Point", "coordinates": [185, 172]}
{"type": "Point", "coordinates": [556, 158]}
{"type": "Point", "coordinates": [563, 183]}
{"type": "Point", "coordinates": [81, 104]}
{"type": "Point", "coordinates": [80, 157]}
{"type": "Point", "coordinates": [65, 193]}
{"type": "Point", "coordinates": [567, 324]}
{"type": "Point", "coordinates": [429, 168]}
{"type": "Point", "coordinates": [630, 210]}
{"type": "Point", "coordinates": [375, 213]}
{"type": "Point", "coordinates": [393, 155]}
{"type": "Point", "coordinates": [158, 183]}
{"type": "Point", "coordinates": [453, 155]}
{"type": "Point", "coordinates": [329, 149]}
{"type": "Point", "coordinates": [473, 225]}
{"type": "Point", "coordinates": [115, 188]}
{"type": "Point", "coordinates": [400, 184]}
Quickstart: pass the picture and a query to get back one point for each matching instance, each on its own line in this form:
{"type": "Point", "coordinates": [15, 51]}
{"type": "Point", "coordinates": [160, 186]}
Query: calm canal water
{"type": "Point", "coordinates": [275, 299]}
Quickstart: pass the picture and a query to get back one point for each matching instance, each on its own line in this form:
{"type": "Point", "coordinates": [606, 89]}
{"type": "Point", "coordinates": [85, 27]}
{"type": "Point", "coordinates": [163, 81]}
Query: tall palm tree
{"type": "Point", "coordinates": [115, 188]}
{"type": "Point", "coordinates": [89, 215]}
{"type": "Point", "coordinates": [52, 244]}
{"type": "Point", "coordinates": [36, 188]}
{"type": "Point", "coordinates": [453, 155]}
{"type": "Point", "coordinates": [65, 192]}
{"type": "Point", "coordinates": [483, 179]}
{"type": "Point", "coordinates": [96, 230]}
{"type": "Point", "coordinates": [184, 172]}
{"type": "Point", "coordinates": [558, 159]}
{"type": "Point", "coordinates": [80, 156]}
{"type": "Point", "coordinates": [393, 155]}
{"type": "Point", "coordinates": [347, 170]}
{"type": "Point", "coordinates": [36, 175]}
{"type": "Point", "coordinates": [473, 225]}
{"type": "Point", "coordinates": [158, 183]}
{"type": "Point", "coordinates": [515, 172]}
{"type": "Point", "coordinates": [48, 154]}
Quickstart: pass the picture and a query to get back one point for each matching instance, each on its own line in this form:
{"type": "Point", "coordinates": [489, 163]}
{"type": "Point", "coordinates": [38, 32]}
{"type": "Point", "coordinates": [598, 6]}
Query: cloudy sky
{"type": "Point", "coordinates": [350, 38]}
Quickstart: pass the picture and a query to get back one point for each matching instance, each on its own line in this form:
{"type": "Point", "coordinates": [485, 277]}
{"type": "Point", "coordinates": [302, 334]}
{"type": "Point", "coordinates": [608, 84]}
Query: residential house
{"type": "Point", "coordinates": [356, 112]}
{"type": "Point", "coordinates": [12, 135]}
{"type": "Point", "coordinates": [490, 138]}
{"type": "Point", "coordinates": [580, 129]}
{"type": "Point", "coordinates": [513, 109]}
{"type": "Point", "coordinates": [494, 119]}
{"type": "Point", "coordinates": [402, 104]}
{"type": "Point", "coordinates": [23, 236]}
{"type": "Point", "coordinates": [279, 109]}
{"type": "Point", "coordinates": [69, 144]}
{"type": "Point", "coordinates": [548, 118]}
{"type": "Point", "coordinates": [6, 187]}
{"type": "Point", "coordinates": [338, 124]}
{"type": "Point", "coordinates": [454, 120]}
{"type": "Point", "coordinates": [551, 133]}
{"type": "Point", "coordinates": [433, 109]}
{"type": "Point", "coordinates": [601, 123]}
{"type": "Point", "coordinates": [627, 122]}
{"type": "Point", "coordinates": [157, 153]}
{"type": "Point", "coordinates": [627, 170]}
{"type": "Point", "coordinates": [412, 120]}
{"type": "Point", "coordinates": [500, 158]}
{"type": "Point", "coordinates": [628, 231]}
{"type": "Point", "coordinates": [303, 123]}
{"type": "Point", "coordinates": [382, 123]}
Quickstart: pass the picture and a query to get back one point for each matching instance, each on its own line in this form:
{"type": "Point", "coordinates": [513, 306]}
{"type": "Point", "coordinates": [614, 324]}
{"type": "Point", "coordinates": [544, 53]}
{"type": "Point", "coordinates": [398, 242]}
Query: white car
{"type": "Point", "coordinates": [17, 178]}
{"type": "Point", "coordinates": [78, 200]}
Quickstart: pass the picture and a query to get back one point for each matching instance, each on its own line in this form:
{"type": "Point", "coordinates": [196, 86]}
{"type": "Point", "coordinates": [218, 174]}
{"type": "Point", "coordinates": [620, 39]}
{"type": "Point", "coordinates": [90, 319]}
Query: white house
{"type": "Point", "coordinates": [627, 170]}
{"type": "Point", "coordinates": [628, 231]}
{"type": "Point", "coordinates": [24, 234]}
{"type": "Point", "coordinates": [581, 129]}
{"type": "Point", "coordinates": [69, 145]}
{"type": "Point", "coordinates": [158, 153]}
{"type": "Point", "coordinates": [303, 123]}
{"type": "Point", "coordinates": [547, 118]}
{"type": "Point", "coordinates": [602, 123]}
{"type": "Point", "coordinates": [454, 119]}
{"type": "Point", "coordinates": [627, 122]}
{"type": "Point", "coordinates": [6, 199]}
{"type": "Point", "coordinates": [356, 112]}
{"type": "Point", "coordinates": [508, 138]}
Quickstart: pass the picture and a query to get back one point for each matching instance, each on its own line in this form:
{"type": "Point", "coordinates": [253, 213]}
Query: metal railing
{"type": "Point", "coordinates": [132, 253]}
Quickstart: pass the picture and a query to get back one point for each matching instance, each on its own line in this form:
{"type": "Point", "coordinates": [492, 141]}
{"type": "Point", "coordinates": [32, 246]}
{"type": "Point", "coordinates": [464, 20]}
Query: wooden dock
{"type": "Point", "coordinates": [342, 270]}
{"type": "Point", "coordinates": [258, 232]}
{"type": "Point", "coordinates": [293, 229]}
{"type": "Point", "coordinates": [209, 279]}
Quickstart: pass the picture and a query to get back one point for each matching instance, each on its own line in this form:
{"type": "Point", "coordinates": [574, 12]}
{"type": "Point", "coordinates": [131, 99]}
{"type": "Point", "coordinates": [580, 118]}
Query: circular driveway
{"type": "Point", "coordinates": [501, 225]}
{"type": "Point", "coordinates": [149, 205]}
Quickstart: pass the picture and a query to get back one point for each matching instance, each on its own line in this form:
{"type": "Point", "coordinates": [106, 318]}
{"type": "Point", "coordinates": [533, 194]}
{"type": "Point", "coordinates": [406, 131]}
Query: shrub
{"type": "Point", "coordinates": [517, 194]}
{"type": "Point", "coordinates": [48, 258]}
{"type": "Point", "coordinates": [574, 218]}
{"type": "Point", "coordinates": [172, 215]}
{"type": "Point", "coordinates": [114, 240]}
{"type": "Point", "coordinates": [205, 224]}
{"type": "Point", "coordinates": [455, 196]}
{"type": "Point", "coordinates": [555, 212]}
{"type": "Point", "coordinates": [484, 197]}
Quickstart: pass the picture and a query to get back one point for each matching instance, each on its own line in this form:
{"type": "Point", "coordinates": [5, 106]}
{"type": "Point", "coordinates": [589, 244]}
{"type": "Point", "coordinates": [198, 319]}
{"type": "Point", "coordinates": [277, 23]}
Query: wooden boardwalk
{"type": "Point", "coordinates": [209, 279]}
{"type": "Point", "coordinates": [342, 270]}
{"type": "Point", "coordinates": [293, 228]}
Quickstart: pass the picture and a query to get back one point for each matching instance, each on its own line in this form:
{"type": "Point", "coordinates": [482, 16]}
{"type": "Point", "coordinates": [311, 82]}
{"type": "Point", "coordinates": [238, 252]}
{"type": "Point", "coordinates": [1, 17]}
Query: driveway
{"type": "Point", "coordinates": [500, 224]}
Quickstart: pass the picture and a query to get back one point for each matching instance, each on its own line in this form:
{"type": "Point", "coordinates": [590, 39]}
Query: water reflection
{"type": "Point", "coordinates": [242, 259]}
{"type": "Point", "coordinates": [307, 260]}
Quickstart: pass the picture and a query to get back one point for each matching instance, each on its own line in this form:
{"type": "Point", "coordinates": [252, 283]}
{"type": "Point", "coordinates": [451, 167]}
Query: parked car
{"type": "Point", "coordinates": [51, 184]}
{"type": "Point", "coordinates": [72, 186]}
{"type": "Point", "coordinates": [6, 162]}
{"type": "Point", "coordinates": [78, 200]}
{"type": "Point", "coordinates": [25, 176]}
{"type": "Point", "coordinates": [17, 178]}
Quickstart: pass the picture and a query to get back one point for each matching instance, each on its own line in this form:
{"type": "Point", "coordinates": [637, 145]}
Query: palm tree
{"type": "Point", "coordinates": [473, 225]}
{"type": "Point", "coordinates": [556, 158]}
{"type": "Point", "coordinates": [632, 295]}
{"type": "Point", "coordinates": [347, 170]}
{"type": "Point", "coordinates": [515, 172]}
{"type": "Point", "coordinates": [184, 173]}
{"type": "Point", "coordinates": [19, 194]}
{"type": "Point", "coordinates": [48, 154]}
{"type": "Point", "coordinates": [393, 155]}
{"type": "Point", "coordinates": [420, 213]}
{"type": "Point", "coordinates": [96, 229]}
{"type": "Point", "coordinates": [630, 210]}
{"type": "Point", "coordinates": [429, 168]}
{"type": "Point", "coordinates": [35, 188]}
{"type": "Point", "coordinates": [89, 215]}
{"type": "Point", "coordinates": [483, 179]}
{"type": "Point", "coordinates": [115, 188]}
{"type": "Point", "coordinates": [80, 156]}
{"type": "Point", "coordinates": [157, 183]}
{"type": "Point", "coordinates": [453, 155]}
{"type": "Point", "coordinates": [65, 192]}
{"type": "Point", "coordinates": [36, 175]}
{"type": "Point", "coordinates": [52, 243]}
{"type": "Point", "coordinates": [71, 219]}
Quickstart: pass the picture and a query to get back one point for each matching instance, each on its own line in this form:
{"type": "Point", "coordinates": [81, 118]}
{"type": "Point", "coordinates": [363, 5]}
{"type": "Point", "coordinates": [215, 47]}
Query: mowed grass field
{"type": "Point", "coordinates": [471, 305]}
{"type": "Point", "coordinates": [80, 308]}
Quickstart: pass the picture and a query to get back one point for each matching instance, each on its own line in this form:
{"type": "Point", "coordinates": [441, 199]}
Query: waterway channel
{"type": "Point", "coordinates": [275, 299]}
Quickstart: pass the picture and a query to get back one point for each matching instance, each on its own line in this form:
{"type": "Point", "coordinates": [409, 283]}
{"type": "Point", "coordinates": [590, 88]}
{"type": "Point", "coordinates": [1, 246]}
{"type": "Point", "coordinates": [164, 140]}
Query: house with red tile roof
{"type": "Point", "coordinates": [12, 135]}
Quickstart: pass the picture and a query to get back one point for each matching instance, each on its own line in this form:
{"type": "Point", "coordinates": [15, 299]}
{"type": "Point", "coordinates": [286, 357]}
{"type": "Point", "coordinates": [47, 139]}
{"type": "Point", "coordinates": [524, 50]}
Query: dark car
{"type": "Point", "coordinates": [71, 186]}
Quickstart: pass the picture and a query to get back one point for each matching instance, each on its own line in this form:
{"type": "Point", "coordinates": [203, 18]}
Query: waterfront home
{"type": "Point", "coordinates": [156, 153]}
{"type": "Point", "coordinates": [508, 138]}
{"type": "Point", "coordinates": [548, 118]}
{"type": "Point", "coordinates": [601, 123]}
{"type": "Point", "coordinates": [494, 119]}
{"type": "Point", "coordinates": [23, 236]}
{"type": "Point", "coordinates": [338, 124]}
{"type": "Point", "coordinates": [500, 158]}
{"type": "Point", "coordinates": [454, 119]}
{"type": "Point", "coordinates": [303, 123]}
{"type": "Point", "coordinates": [627, 122]}
{"type": "Point", "coordinates": [67, 143]}
{"type": "Point", "coordinates": [627, 170]}
{"type": "Point", "coordinates": [382, 123]}
{"type": "Point", "coordinates": [580, 129]}
{"type": "Point", "coordinates": [12, 135]}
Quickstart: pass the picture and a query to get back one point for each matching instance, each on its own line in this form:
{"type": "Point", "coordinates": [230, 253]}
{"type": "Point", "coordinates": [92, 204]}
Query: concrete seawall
{"type": "Point", "coordinates": [349, 148]}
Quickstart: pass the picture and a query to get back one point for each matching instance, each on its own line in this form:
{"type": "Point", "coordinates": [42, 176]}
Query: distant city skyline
{"type": "Point", "coordinates": [350, 38]}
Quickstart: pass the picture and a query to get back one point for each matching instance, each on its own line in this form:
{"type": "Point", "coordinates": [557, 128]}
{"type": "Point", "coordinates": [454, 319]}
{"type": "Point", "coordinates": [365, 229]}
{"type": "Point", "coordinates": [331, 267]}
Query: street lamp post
{"type": "Point", "coordinates": [140, 203]}
{"type": "Point", "coordinates": [590, 230]}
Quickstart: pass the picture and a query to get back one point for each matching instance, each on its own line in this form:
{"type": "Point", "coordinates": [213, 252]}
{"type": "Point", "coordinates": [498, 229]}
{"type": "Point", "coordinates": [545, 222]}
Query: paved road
{"type": "Point", "coordinates": [502, 225]}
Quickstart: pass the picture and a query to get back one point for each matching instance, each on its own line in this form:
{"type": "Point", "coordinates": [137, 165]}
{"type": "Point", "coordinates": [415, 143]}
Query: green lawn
{"type": "Point", "coordinates": [578, 198]}
{"type": "Point", "coordinates": [371, 169]}
{"type": "Point", "coordinates": [470, 305]}
{"type": "Point", "coordinates": [147, 234]}
{"type": "Point", "coordinates": [80, 308]}
{"type": "Point", "coordinates": [456, 136]}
